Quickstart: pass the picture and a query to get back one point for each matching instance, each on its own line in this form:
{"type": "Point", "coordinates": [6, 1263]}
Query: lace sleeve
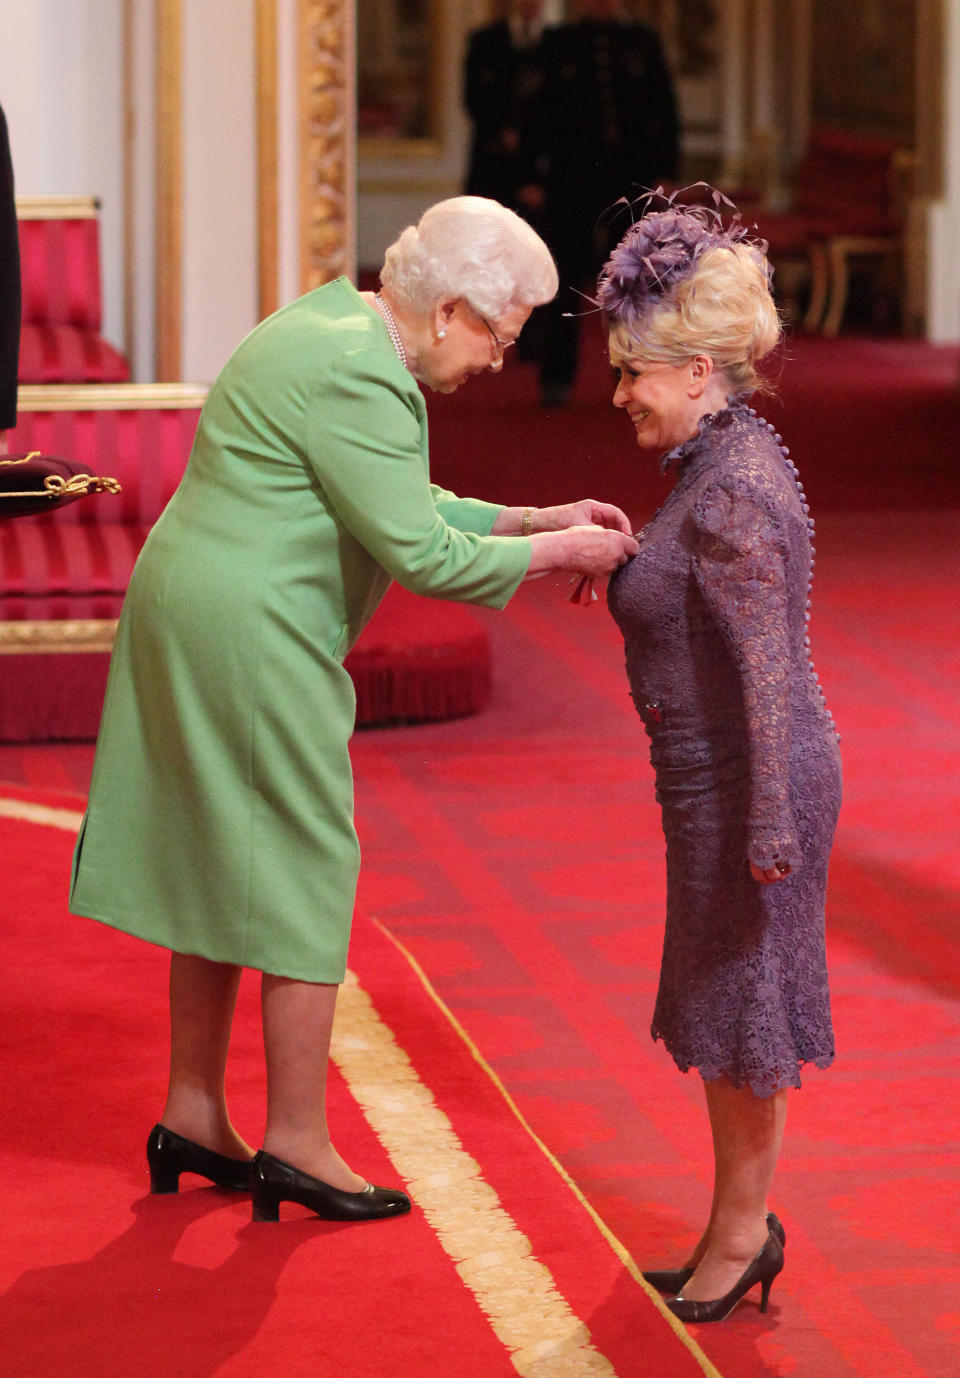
{"type": "Point", "coordinates": [740, 572]}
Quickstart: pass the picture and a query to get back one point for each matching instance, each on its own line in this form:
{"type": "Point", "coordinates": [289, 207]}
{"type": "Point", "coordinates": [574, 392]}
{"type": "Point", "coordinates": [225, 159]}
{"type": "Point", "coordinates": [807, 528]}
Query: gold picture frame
{"type": "Point", "coordinates": [402, 76]}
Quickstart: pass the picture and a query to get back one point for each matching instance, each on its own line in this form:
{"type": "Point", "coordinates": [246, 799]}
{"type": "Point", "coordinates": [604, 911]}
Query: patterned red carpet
{"type": "Point", "coordinates": [538, 909]}
{"type": "Point", "coordinates": [517, 856]}
{"type": "Point", "coordinates": [502, 1267]}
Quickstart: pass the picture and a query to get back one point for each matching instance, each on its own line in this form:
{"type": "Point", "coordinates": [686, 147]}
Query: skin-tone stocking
{"type": "Point", "coordinates": [297, 1025]}
{"type": "Point", "coordinates": [747, 1135]}
{"type": "Point", "coordinates": [203, 996]}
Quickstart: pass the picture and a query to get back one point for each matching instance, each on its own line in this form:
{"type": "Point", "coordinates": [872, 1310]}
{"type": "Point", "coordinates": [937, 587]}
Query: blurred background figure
{"type": "Point", "coordinates": [611, 128]}
{"type": "Point", "coordinates": [565, 120]}
{"type": "Point", "coordinates": [9, 291]}
{"type": "Point", "coordinates": [503, 91]}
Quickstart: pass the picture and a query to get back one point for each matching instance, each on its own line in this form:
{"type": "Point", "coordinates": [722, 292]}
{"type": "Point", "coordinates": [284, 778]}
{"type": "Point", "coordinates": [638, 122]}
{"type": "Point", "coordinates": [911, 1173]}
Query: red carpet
{"type": "Point", "coordinates": [538, 908]}
{"type": "Point", "coordinates": [517, 856]}
{"type": "Point", "coordinates": [501, 1267]}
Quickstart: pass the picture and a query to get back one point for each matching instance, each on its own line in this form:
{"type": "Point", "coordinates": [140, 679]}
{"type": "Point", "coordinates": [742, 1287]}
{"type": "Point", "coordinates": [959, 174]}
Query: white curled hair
{"type": "Point", "coordinates": [473, 248]}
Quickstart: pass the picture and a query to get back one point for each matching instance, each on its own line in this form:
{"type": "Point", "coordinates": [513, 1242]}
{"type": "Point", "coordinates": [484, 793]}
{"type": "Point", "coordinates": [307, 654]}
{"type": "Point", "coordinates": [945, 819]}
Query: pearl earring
{"type": "Point", "coordinates": [441, 334]}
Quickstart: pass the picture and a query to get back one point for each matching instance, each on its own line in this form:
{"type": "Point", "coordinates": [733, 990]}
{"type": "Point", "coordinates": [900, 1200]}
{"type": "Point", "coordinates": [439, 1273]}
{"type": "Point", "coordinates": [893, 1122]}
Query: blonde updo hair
{"type": "Point", "coordinates": [724, 309]}
{"type": "Point", "coordinates": [681, 282]}
{"type": "Point", "coordinates": [474, 248]}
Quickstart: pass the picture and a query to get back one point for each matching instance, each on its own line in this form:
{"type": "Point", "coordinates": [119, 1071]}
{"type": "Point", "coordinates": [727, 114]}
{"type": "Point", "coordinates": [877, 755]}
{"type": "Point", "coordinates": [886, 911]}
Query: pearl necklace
{"type": "Point", "coordinates": [392, 330]}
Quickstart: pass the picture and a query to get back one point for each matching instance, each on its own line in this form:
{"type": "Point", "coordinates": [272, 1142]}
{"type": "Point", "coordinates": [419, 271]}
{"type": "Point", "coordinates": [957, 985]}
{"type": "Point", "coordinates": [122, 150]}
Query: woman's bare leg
{"type": "Point", "coordinates": [203, 996]}
{"type": "Point", "coordinates": [747, 1135]}
{"type": "Point", "coordinates": [297, 1025]}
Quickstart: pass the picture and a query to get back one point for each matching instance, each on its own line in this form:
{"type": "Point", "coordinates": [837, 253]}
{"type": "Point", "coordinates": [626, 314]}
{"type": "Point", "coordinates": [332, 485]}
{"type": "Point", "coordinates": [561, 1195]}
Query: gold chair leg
{"type": "Point", "coordinates": [818, 286]}
{"type": "Point", "coordinates": [839, 266]}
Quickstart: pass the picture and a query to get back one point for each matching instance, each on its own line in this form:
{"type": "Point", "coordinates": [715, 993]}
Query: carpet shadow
{"type": "Point", "coordinates": [134, 1308]}
{"type": "Point", "coordinates": [910, 929]}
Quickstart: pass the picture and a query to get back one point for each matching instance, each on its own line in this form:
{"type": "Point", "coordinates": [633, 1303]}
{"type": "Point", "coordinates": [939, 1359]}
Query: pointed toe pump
{"type": "Point", "coordinates": [673, 1280]}
{"type": "Point", "coordinates": [668, 1280]}
{"type": "Point", "coordinates": [169, 1154]}
{"type": "Point", "coordinates": [275, 1181]}
{"type": "Point", "coordinates": [767, 1264]}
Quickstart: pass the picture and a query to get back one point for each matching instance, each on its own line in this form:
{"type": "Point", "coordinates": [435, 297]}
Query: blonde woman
{"type": "Point", "coordinates": [220, 820]}
{"type": "Point", "coordinates": [714, 613]}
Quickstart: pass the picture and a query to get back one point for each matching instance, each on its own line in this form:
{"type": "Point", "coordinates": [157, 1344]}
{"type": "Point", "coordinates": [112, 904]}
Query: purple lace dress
{"type": "Point", "coordinates": [713, 612]}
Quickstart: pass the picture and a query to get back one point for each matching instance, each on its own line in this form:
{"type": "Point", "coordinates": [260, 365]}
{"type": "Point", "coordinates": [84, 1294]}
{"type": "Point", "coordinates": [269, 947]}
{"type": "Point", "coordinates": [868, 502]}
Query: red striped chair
{"type": "Point", "coordinates": [849, 205]}
{"type": "Point", "coordinates": [60, 339]}
{"type": "Point", "coordinates": [63, 576]}
{"type": "Point", "coordinates": [75, 562]}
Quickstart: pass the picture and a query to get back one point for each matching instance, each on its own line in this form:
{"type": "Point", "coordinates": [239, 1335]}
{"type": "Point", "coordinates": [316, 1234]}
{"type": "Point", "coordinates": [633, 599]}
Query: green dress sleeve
{"type": "Point", "coordinates": [366, 442]}
{"type": "Point", "coordinates": [466, 514]}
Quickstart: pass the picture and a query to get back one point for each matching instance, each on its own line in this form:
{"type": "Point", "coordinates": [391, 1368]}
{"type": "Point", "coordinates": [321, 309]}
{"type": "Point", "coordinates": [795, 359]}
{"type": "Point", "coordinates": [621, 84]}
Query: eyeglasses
{"type": "Point", "coordinates": [499, 345]}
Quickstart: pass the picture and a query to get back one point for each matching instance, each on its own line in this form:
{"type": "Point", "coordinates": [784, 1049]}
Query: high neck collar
{"type": "Point", "coordinates": [709, 422]}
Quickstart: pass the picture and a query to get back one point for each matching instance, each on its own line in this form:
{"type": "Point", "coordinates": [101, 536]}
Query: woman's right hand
{"type": "Point", "coordinates": [592, 551]}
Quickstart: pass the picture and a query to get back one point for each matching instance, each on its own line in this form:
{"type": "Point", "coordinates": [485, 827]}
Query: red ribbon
{"type": "Point", "coordinates": [584, 592]}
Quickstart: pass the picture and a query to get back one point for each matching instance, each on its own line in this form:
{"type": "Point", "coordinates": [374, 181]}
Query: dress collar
{"type": "Point", "coordinates": [709, 422]}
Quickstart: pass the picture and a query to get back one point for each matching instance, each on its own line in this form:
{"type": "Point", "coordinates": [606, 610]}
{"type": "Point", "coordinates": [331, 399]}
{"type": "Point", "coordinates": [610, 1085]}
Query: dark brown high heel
{"type": "Point", "coordinates": [673, 1280]}
{"type": "Point", "coordinates": [275, 1181]}
{"type": "Point", "coordinates": [763, 1269]}
{"type": "Point", "coordinates": [169, 1154]}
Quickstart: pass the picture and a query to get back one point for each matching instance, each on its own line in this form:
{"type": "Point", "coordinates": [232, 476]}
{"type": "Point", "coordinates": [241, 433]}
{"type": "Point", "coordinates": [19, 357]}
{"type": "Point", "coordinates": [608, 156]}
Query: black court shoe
{"type": "Point", "coordinates": [275, 1181]}
{"type": "Point", "coordinates": [169, 1154]}
{"type": "Point", "coordinates": [763, 1269]}
{"type": "Point", "coordinates": [673, 1280]}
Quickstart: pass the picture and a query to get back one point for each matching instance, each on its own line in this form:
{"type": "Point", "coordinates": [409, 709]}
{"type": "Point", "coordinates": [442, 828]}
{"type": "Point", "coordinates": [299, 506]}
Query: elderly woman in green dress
{"type": "Point", "coordinates": [220, 819]}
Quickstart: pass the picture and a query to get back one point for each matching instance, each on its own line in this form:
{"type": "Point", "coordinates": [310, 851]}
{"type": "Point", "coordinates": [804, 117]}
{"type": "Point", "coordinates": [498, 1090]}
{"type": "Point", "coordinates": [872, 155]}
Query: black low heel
{"type": "Point", "coordinates": [275, 1181]}
{"type": "Point", "coordinates": [169, 1154]}
{"type": "Point", "coordinates": [673, 1280]}
{"type": "Point", "coordinates": [265, 1206]}
{"type": "Point", "coordinates": [164, 1179]}
{"type": "Point", "coordinates": [766, 1266]}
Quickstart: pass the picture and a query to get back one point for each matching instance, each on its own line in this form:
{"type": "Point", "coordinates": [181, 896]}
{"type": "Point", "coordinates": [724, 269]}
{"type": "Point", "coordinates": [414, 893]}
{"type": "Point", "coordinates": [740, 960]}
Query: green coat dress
{"type": "Point", "coordinates": [220, 817]}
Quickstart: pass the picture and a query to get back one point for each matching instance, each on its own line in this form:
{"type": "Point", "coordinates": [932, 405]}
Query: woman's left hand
{"type": "Point", "coordinates": [584, 513]}
{"type": "Point", "coordinates": [769, 877]}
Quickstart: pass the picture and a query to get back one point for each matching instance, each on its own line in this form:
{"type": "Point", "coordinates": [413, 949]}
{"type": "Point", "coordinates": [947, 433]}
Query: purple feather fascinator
{"type": "Point", "coordinates": [663, 247]}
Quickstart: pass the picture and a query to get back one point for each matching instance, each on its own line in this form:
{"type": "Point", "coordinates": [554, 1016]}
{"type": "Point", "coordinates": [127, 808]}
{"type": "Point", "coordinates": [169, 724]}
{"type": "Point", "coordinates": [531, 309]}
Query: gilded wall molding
{"type": "Point", "coordinates": [931, 97]}
{"type": "Point", "coordinates": [57, 207]}
{"type": "Point", "coordinates": [57, 638]}
{"type": "Point", "coordinates": [43, 397]}
{"type": "Point", "coordinates": [326, 82]}
{"type": "Point", "coordinates": [169, 187]}
{"type": "Point", "coordinates": [268, 230]}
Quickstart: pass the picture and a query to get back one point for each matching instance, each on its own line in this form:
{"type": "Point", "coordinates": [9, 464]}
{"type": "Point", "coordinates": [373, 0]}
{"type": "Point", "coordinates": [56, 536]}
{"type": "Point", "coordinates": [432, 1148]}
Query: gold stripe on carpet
{"type": "Point", "coordinates": [620, 1249]}
{"type": "Point", "coordinates": [494, 1258]}
{"type": "Point", "coordinates": [515, 1291]}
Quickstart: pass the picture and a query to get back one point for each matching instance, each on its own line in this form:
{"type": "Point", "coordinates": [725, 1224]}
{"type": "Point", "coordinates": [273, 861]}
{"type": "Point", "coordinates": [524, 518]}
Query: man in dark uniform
{"type": "Point", "coordinates": [611, 119]}
{"type": "Point", "coordinates": [503, 91]}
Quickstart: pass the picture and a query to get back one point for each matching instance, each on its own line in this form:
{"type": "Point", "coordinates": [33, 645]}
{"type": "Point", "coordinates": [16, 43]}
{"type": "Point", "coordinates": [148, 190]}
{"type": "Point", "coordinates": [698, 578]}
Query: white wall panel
{"type": "Point", "coordinates": [219, 191]}
{"type": "Point", "coordinates": [61, 87]}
